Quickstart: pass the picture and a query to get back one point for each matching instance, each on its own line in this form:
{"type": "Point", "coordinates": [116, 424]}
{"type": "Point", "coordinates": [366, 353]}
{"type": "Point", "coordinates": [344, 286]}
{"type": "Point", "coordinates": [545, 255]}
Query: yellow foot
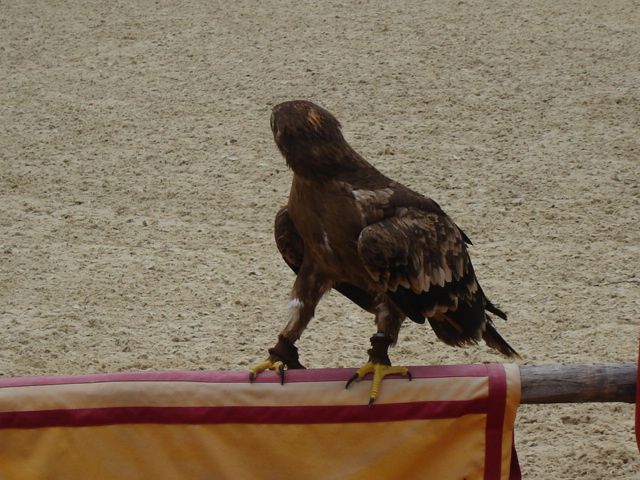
{"type": "Point", "coordinates": [379, 371]}
{"type": "Point", "coordinates": [276, 365]}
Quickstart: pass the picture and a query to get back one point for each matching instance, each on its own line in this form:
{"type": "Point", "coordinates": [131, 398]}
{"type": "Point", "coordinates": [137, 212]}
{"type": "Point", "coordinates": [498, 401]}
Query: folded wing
{"type": "Point", "coordinates": [422, 259]}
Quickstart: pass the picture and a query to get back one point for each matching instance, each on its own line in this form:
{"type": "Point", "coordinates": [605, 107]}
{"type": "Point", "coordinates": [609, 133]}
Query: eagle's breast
{"type": "Point", "coordinates": [329, 219]}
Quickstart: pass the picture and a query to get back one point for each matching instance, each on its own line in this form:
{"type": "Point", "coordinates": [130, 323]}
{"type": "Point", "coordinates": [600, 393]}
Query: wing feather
{"type": "Point", "coordinates": [288, 241]}
{"type": "Point", "coordinates": [430, 273]}
{"type": "Point", "coordinates": [425, 258]}
{"type": "Point", "coordinates": [419, 249]}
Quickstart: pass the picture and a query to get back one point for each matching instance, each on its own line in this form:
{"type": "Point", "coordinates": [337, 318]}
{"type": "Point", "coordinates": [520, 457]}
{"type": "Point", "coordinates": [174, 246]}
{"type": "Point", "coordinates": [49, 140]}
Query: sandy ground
{"type": "Point", "coordinates": [139, 181]}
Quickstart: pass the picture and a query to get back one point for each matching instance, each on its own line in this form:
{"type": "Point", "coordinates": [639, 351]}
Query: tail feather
{"type": "Point", "coordinates": [495, 340]}
{"type": "Point", "coordinates": [493, 309]}
{"type": "Point", "coordinates": [446, 332]}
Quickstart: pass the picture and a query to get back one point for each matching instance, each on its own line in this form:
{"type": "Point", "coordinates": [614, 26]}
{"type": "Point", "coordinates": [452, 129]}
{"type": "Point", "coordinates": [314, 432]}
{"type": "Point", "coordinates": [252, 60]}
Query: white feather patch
{"type": "Point", "coordinates": [295, 304]}
{"type": "Point", "coordinates": [325, 242]}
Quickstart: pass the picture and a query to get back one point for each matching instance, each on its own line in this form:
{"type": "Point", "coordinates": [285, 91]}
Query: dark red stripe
{"type": "Point", "coordinates": [638, 403]}
{"type": "Point", "coordinates": [311, 375]}
{"type": "Point", "coordinates": [495, 421]}
{"type": "Point", "coordinates": [514, 471]}
{"type": "Point", "coordinates": [271, 415]}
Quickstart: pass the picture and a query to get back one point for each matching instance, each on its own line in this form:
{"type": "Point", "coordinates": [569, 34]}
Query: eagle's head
{"type": "Point", "coordinates": [309, 137]}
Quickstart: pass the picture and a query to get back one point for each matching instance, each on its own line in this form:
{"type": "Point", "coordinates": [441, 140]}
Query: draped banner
{"type": "Point", "coordinates": [450, 422]}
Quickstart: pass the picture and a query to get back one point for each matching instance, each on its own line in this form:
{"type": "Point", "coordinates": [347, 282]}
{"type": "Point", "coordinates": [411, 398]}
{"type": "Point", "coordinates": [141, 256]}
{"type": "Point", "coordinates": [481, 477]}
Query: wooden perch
{"type": "Point", "coordinates": [605, 382]}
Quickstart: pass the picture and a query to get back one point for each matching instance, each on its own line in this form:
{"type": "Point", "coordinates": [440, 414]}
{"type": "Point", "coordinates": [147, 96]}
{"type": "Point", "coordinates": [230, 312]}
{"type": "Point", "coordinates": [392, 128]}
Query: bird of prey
{"type": "Point", "coordinates": [389, 249]}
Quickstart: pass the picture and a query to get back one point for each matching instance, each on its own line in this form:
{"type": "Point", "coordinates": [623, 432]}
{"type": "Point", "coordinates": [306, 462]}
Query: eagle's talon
{"type": "Point", "coordinates": [280, 370]}
{"type": "Point", "coordinates": [360, 373]}
{"type": "Point", "coordinates": [351, 380]}
{"type": "Point", "coordinates": [379, 370]}
{"type": "Point", "coordinates": [277, 366]}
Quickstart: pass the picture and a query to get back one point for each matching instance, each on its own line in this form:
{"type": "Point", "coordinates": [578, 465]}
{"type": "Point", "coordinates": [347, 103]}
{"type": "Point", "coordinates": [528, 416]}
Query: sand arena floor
{"type": "Point", "coordinates": [139, 180]}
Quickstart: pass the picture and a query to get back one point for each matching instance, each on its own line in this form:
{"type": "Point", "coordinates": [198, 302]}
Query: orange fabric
{"type": "Point", "coordinates": [193, 426]}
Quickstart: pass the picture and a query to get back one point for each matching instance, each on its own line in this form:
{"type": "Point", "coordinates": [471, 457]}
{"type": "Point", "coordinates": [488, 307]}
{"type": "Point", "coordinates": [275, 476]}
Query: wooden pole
{"type": "Point", "coordinates": [604, 382]}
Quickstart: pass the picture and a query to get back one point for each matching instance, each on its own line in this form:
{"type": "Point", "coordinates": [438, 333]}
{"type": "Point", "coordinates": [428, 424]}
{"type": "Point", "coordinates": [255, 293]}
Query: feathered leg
{"type": "Point", "coordinates": [388, 320]}
{"type": "Point", "coordinates": [307, 291]}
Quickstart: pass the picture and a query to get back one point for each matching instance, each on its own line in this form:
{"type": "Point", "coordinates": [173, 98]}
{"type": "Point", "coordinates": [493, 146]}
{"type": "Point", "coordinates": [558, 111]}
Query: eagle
{"type": "Point", "coordinates": [390, 250]}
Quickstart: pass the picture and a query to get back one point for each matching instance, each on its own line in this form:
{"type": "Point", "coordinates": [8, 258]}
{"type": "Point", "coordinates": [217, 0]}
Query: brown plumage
{"type": "Point", "coordinates": [392, 251]}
